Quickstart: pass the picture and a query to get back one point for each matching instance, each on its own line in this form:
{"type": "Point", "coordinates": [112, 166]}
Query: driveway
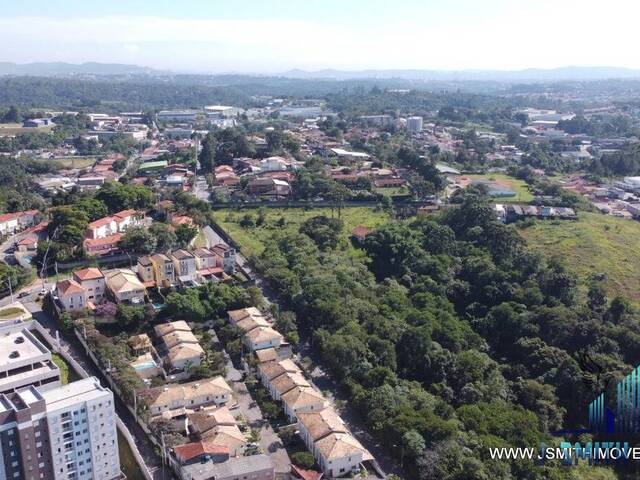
{"type": "Point", "coordinates": [269, 441]}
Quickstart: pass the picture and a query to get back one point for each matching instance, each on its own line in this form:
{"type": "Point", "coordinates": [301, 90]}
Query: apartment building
{"type": "Point", "coordinates": [24, 360]}
{"type": "Point", "coordinates": [67, 433]}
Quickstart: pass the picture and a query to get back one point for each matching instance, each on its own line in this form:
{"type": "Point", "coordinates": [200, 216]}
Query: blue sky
{"type": "Point", "coordinates": [277, 35]}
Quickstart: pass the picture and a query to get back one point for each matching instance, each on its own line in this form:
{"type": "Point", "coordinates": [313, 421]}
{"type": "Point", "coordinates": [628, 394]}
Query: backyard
{"type": "Point", "coordinates": [251, 239]}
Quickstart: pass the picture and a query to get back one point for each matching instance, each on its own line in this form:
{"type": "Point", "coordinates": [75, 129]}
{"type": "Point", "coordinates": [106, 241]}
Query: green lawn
{"type": "Point", "coordinates": [17, 128]}
{"type": "Point", "coordinates": [11, 312]}
{"type": "Point", "coordinates": [251, 239]}
{"type": "Point", "coordinates": [523, 194]}
{"type": "Point", "coordinates": [390, 191]}
{"type": "Point", "coordinates": [595, 243]}
{"type": "Point", "coordinates": [67, 374]}
{"type": "Point", "coordinates": [128, 462]}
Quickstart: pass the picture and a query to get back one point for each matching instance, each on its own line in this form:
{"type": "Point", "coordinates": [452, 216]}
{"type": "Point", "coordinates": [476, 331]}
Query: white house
{"type": "Point", "coordinates": [93, 283]}
{"type": "Point", "coordinates": [262, 337]}
{"type": "Point", "coordinates": [184, 265]}
{"type": "Point", "coordinates": [71, 294]}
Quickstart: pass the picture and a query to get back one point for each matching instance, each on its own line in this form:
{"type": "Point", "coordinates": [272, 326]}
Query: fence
{"type": "Point", "coordinates": [143, 425]}
{"type": "Point", "coordinates": [64, 353]}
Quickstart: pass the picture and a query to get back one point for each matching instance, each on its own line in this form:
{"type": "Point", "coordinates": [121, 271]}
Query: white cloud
{"type": "Point", "coordinates": [515, 35]}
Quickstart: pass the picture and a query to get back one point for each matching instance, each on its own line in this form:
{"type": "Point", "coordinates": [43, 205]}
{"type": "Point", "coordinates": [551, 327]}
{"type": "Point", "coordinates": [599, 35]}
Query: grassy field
{"type": "Point", "coordinates": [17, 128]}
{"type": "Point", "coordinates": [595, 243]}
{"type": "Point", "coordinates": [390, 191]}
{"type": "Point", "coordinates": [251, 239]}
{"type": "Point", "coordinates": [70, 162]}
{"type": "Point", "coordinates": [519, 186]}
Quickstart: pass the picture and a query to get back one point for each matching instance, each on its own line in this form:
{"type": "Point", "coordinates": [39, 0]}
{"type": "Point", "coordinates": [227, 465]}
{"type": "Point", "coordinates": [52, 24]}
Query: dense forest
{"type": "Point", "coordinates": [450, 336]}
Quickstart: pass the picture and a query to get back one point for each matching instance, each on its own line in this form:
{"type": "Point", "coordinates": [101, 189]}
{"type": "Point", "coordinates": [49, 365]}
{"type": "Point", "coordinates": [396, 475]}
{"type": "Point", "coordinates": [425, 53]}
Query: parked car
{"type": "Point", "coordinates": [23, 294]}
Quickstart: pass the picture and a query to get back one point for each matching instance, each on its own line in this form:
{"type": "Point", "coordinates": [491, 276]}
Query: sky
{"type": "Point", "coordinates": [270, 36]}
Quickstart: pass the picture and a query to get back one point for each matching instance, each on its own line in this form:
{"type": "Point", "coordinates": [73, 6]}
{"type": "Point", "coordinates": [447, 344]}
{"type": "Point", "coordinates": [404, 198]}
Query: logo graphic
{"type": "Point", "coordinates": [627, 416]}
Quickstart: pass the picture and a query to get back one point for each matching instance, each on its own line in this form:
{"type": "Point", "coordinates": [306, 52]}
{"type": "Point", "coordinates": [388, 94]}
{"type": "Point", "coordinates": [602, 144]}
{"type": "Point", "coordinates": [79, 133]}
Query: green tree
{"type": "Point", "coordinates": [165, 237]}
{"type": "Point", "coordinates": [129, 315]}
{"type": "Point", "coordinates": [185, 234]}
{"type": "Point", "coordinates": [303, 459]}
{"type": "Point", "coordinates": [138, 239]}
{"type": "Point", "coordinates": [12, 115]}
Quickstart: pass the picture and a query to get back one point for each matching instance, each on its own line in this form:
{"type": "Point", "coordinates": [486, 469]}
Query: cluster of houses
{"type": "Point", "coordinates": [619, 199]}
{"type": "Point", "coordinates": [102, 235]}
{"type": "Point", "coordinates": [11, 223]}
{"type": "Point", "coordinates": [202, 411]}
{"type": "Point", "coordinates": [177, 351]}
{"type": "Point", "coordinates": [508, 213]}
{"type": "Point", "coordinates": [335, 449]}
{"type": "Point", "coordinates": [90, 287]}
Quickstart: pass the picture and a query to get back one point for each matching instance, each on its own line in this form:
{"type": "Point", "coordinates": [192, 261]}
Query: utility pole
{"type": "Point", "coordinates": [10, 289]}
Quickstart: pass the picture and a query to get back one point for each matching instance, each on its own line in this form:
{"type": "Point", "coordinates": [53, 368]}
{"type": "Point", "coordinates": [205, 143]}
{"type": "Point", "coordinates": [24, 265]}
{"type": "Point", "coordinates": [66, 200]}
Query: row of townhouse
{"type": "Point", "coordinates": [177, 400]}
{"type": "Point", "coordinates": [180, 347]}
{"type": "Point", "coordinates": [183, 267]}
{"type": "Point", "coordinates": [325, 434]}
{"type": "Point", "coordinates": [258, 333]}
{"type": "Point", "coordinates": [11, 223]}
{"type": "Point", "coordinates": [102, 235]}
{"type": "Point", "coordinates": [91, 286]}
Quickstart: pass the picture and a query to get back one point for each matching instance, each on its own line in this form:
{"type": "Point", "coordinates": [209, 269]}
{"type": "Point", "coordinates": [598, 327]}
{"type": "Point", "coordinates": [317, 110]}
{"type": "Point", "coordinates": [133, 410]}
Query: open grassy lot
{"type": "Point", "coordinates": [17, 128]}
{"type": "Point", "coordinates": [390, 191]}
{"type": "Point", "coordinates": [251, 239]}
{"type": "Point", "coordinates": [519, 186]}
{"type": "Point", "coordinates": [595, 243]}
{"type": "Point", "coordinates": [70, 162]}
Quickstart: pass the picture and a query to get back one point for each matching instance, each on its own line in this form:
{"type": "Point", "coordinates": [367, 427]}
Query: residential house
{"type": "Point", "coordinates": [117, 223]}
{"type": "Point", "coordinates": [254, 467]}
{"type": "Point", "coordinates": [101, 246]}
{"type": "Point", "coordinates": [340, 454]}
{"type": "Point", "coordinates": [145, 271]}
{"type": "Point", "coordinates": [102, 228]}
{"type": "Point", "coordinates": [140, 344]}
{"type": "Point", "coordinates": [71, 294]}
{"type": "Point", "coordinates": [125, 287]}
{"type": "Point", "coordinates": [314, 426]}
{"type": "Point", "coordinates": [181, 348]}
{"type": "Point", "coordinates": [272, 369]}
{"type": "Point", "coordinates": [28, 244]}
{"type": "Point", "coordinates": [236, 315]}
{"type": "Point", "coordinates": [285, 383]}
{"type": "Point", "coordinates": [163, 270]}
{"type": "Point", "coordinates": [217, 425]}
{"type": "Point", "coordinates": [262, 337]}
{"type": "Point", "coordinates": [184, 266]}
{"type": "Point", "coordinates": [199, 452]}
{"type": "Point", "coordinates": [301, 400]}
{"type": "Point", "coordinates": [11, 223]}
{"type": "Point", "coordinates": [174, 399]}
{"type": "Point", "coordinates": [269, 187]}
{"type": "Point", "coordinates": [92, 281]}
{"type": "Point", "coordinates": [205, 258]}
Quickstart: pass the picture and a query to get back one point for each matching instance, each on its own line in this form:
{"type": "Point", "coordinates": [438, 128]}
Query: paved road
{"type": "Point", "coordinates": [144, 445]}
{"type": "Point", "coordinates": [269, 441]}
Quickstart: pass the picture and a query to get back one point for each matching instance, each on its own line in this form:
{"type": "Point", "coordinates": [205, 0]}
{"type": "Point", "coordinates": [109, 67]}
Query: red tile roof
{"type": "Point", "coordinates": [361, 232]}
{"type": "Point", "coordinates": [100, 222]}
{"type": "Point", "coordinates": [90, 273]}
{"type": "Point", "coordinates": [189, 451]}
{"type": "Point", "coordinates": [69, 287]}
{"type": "Point", "coordinates": [305, 474]}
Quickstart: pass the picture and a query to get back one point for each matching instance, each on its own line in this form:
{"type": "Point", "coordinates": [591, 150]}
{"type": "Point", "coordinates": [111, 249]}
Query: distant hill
{"type": "Point", "coordinates": [531, 74]}
{"type": "Point", "coordinates": [48, 69]}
